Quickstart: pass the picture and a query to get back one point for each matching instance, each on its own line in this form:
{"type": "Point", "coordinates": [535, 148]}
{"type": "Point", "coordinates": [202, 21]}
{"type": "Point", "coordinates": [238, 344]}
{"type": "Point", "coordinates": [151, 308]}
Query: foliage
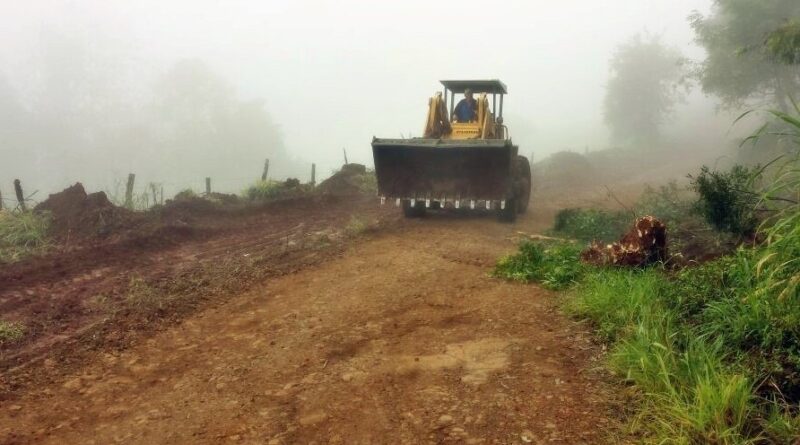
{"type": "Point", "coordinates": [22, 234]}
{"type": "Point", "coordinates": [555, 266]}
{"type": "Point", "coordinates": [737, 68]}
{"type": "Point", "coordinates": [10, 332]}
{"type": "Point", "coordinates": [643, 88]}
{"type": "Point", "coordinates": [355, 226]}
{"type": "Point", "coordinates": [591, 224]}
{"type": "Point", "coordinates": [783, 44]}
{"type": "Point", "coordinates": [185, 194]}
{"type": "Point", "coordinates": [269, 190]}
{"type": "Point", "coordinates": [728, 200]}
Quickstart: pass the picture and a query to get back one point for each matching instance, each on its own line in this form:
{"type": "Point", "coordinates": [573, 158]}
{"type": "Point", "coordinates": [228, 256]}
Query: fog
{"type": "Point", "coordinates": [176, 91]}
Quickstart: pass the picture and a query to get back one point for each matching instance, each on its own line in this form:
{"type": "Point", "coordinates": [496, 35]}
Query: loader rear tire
{"type": "Point", "coordinates": [417, 211]}
{"type": "Point", "coordinates": [522, 183]}
{"type": "Point", "coordinates": [509, 213]}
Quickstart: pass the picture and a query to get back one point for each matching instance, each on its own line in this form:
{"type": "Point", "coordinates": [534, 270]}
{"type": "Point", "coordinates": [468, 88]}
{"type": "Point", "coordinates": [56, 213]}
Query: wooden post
{"type": "Point", "coordinates": [345, 155]}
{"type": "Point", "coordinates": [20, 196]}
{"type": "Point", "coordinates": [129, 190]}
{"type": "Point", "coordinates": [208, 186]}
{"type": "Point", "coordinates": [1, 200]}
{"type": "Point", "coordinates": [266, 170]}
{"type": "Point", "coordinates": [153, 191]}
{"type": "Point", "coordinates": [313, 174]}
{"type": "Point", "coordinates": [162, 195]}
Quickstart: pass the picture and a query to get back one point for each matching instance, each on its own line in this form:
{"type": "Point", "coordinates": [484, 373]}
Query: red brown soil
{"type": "Point", "coordinates": [396, 336]}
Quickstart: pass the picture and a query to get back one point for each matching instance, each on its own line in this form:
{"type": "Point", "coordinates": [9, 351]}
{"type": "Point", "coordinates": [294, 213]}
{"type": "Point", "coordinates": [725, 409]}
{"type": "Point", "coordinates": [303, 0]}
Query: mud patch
{"type": "Point", "coordinates": [478, 359]}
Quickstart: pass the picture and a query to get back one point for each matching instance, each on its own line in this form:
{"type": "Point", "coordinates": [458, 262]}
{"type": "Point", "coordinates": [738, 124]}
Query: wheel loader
{"type": "Point", "coordinates": [470, 165]}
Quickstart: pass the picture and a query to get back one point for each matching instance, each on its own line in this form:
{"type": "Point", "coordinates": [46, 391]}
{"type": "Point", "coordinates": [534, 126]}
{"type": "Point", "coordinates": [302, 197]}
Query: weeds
{"type": "Point", "coordinates": [553, 265]}
{"type": "Point", "coordinates": [10, 332]}
{"type": "Point", "coordinates": [22, 234]}
{"type": "Point", "coordinates": [590, 224]}
{"type": "Point", "coordinates": [355, 226]}
{"type": "Point", "coordinates": [270, 190]}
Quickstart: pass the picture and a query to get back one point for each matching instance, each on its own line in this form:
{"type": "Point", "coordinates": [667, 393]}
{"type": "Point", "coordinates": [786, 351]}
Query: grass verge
{"type": "Point", "coordinates": [22, 234]}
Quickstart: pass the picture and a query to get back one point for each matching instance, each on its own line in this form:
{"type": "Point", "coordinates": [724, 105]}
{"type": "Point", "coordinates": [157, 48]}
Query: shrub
{"type": "Point", "coordinates": [728, 200]}
{"type": "Point", "coordinates": [555, 266]}
{"type": "Point", "coordinates": [591, 224]}
{"type": "Point", "coordinates": [10, 332]}
{"type": "Point", "coordinates": [22, 234]}
{"type": "Point", "coordinates": [270, 190]}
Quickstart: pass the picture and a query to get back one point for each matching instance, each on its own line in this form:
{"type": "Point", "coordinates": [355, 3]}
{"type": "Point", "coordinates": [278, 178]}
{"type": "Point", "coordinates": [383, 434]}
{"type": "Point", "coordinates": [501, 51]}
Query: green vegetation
{"type": "Point", "coordinates": [591, 224]}
{"type": "Point", "coordinates": [22, 234]}
{"type": "Point", "coordinates": [10, 332]}
{"type": "Point", "coordinates": [553, 265]}
{"type": "Point", "coordinates": [728, 200]}
{"type": "Point", "coordinates": [270, 190]}
{"type": "Point", "coordinates": [355, 226]}
{"type": "Point", "coordinates": [713, 350]}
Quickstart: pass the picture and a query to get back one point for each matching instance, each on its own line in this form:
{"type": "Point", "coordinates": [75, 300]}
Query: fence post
{"type": "Point", "coordinates": [208, 186]}
{"type": "Point", "coordinates": [162, 195]}
{"type": "Point", "coordinates": [153, 191]}
{"type": "Point", "coordinates": [20, 196]}
{"type": "Point", "coordinates": [345, 155]}
{"type": "Point", "coordinates": [313, 174]}
{"type": "Point", "coordinates": [129, 190]}
{"type": "Point", "coordinates": [266, 170]}
{"type": "Point", "coordinates": [1, 200]}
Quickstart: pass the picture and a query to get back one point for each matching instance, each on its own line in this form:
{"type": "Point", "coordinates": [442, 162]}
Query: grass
{"type": "Point", "coordinates": [10, 332]}
{"type": "Point", "coordinates": [712, 350]}
{"type": "Point", "coordinates": [269, 190]}
{"type": "Point", "coordinates": [22, 234]}
{"type": "Point", "coordinates": [553, 265]}
{"type": "Point", "coordinates": [356, 226]}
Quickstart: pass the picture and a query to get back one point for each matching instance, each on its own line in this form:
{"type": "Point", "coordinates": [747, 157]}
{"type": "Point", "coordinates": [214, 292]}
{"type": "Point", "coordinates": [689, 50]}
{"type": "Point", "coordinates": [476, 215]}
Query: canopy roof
{"type": "Point", "coordinates": [493, 86]}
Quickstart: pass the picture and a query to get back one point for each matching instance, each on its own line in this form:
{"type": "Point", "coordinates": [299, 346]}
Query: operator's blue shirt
{"type": "Point", "coordinates": [465, 110]}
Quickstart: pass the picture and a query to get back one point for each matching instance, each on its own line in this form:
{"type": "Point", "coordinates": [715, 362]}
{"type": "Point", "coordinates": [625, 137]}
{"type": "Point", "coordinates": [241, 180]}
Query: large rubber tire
{"type": "Point", "coordinates": [417, 211]}
{"type": "Point", "coordinates": [522, 183]}
{"type": "Point", "coordinates": [509, 213]}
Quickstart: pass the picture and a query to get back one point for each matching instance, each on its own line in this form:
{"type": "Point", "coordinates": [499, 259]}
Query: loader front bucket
{"type": "Point", "coordinates": [436, 169]}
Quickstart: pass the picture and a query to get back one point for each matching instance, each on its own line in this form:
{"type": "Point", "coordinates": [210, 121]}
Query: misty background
{"type": "Point", "coordinates": [176, 91]}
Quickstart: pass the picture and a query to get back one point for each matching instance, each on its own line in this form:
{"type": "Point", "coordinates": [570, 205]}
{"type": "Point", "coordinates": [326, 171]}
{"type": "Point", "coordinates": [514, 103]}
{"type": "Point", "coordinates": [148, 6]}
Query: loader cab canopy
{"type": "Point", "coordinates": [492, 87]}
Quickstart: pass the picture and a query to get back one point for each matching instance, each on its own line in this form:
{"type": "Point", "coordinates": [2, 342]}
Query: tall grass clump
{"type": "Point", "coordinates": [591, 224]}
{"type": "Point", "coordinates": [22, 234]}
{"type": "Point", "coordinates": [270, 190]}
{"type": "Point", "coordinates": [553, 265]}
{"type": "Point", "coordinates": [10, 332]}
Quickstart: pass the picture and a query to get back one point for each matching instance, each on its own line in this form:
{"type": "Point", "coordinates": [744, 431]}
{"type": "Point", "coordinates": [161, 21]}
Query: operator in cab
{"type": "Point", "coordinates": [467, 108]}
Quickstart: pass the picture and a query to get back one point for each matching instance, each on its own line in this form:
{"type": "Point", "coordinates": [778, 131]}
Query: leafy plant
{"type": "Point", "coordinates": [555, 266]}
{"type": "Point", "coordinates": [10, 332]}
{"type": "Point", "coordinates": [22, 234]}
{"type": "Point", "coordinates": [728, 200]}
{"type": "Point", "coordinates": [591, 224]}
{"type": "Point", "coordinates": [269, 190]}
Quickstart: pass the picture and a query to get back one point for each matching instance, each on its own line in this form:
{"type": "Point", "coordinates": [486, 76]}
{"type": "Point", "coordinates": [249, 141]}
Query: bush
{"type": "Point", "coordinates": [270, 190]}
{"type": "Point", "coordinates": [10, 332]}
{"type": "Point", "coordinates": [728, 200]}
{"type": "Point", "coordinates": [23, 234]}
{"type": "Point", "coordinates": [555, 266]}
{"type": "Point", "coordinates": [591, 224]}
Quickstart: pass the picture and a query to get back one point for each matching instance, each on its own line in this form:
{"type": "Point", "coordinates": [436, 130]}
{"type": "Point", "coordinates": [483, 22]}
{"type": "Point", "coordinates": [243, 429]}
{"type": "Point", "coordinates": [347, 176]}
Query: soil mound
{"type": "Point", "coordinates": [352, 179]}
{"type": "Point", "coordinates": [75, 211]}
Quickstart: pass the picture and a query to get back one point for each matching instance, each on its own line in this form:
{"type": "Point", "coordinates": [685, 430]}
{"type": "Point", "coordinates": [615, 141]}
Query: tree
{"type": "Point", "coordinates": [783, 44]}
{"type": "Point", "coordinates": [738, 67]}
{"type": "Point", "coordinates": [645, 82]}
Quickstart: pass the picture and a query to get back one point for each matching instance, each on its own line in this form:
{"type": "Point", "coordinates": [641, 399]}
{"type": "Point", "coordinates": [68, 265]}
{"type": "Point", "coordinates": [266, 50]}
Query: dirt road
{"type": "Point", "coordinates": [402, 339]}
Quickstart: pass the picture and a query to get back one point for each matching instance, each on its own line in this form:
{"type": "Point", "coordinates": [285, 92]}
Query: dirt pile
{"type": "Point", "coordinates": [76, 212]}
{"type": "Point", "coordinates": [352, 179]}
{"type": "Point", "coordinates": [645, 243]}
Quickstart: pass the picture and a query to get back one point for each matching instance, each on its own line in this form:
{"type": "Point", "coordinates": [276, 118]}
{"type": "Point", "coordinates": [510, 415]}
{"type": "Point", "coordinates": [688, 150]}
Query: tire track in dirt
{"type": "Point", "coordinates": [404, 339]}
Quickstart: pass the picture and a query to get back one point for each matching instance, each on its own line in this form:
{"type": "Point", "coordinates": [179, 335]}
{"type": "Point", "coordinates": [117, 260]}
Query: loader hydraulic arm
{"type": "Point", "coordinates": [437, 124]}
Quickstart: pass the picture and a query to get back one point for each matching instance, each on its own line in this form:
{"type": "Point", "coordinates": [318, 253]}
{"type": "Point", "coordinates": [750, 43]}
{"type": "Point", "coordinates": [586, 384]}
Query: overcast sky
{"type": "Point", "coordinates": [335, 73]}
